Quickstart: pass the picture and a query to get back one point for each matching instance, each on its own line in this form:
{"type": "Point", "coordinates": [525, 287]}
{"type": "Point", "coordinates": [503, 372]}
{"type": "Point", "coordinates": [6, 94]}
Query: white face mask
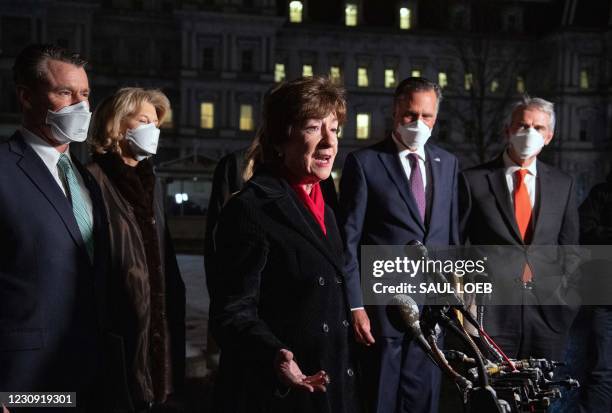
{"type": "Point", "coordinates": [143, 141]}
{"type": "Point", "coordinates": [414, 134]}
{"type": "Point", "coordinates": [70, 123]}
{"type": "Point", "coordinates": [527, 143]}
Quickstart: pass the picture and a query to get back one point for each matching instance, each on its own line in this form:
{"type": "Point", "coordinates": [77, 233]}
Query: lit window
{"type": "Point", "coordinates": [494, 86]}
{"type": "Point", "coordinates": [207, 115]}
{"type": "Point", "coordinates": [295, 11]}
{"type": "Point", "coordinates": [362, 77]}
{"type": "Point", "coordinates": [415, 73]}
{"type": "Point", "coordinates": [442, 79]}
{"type": "Point", "coordinates": [351, 15]}
{"type": "Point", "coordinates": [168, 120]}
{"type": "Point", "coordinates": [335, 74]}
{"type": "Point", "coordinates": [404, 18]}
{"type": "Point", "coordinates": [520, 84]}
{"type": "Point", "coordinates": [389, 78]}
{"type": "Point", "coordinates": [307, 70]}
{"type": "Point", "coordinates": [279, 72]}
{"type": "Point", "coordinates": [468, 80]}
{"type": "Point", "coordinates": [246, 117]}
{"type": "Point", "coordinates": [363, 125]}
{"type": "Point", "coordinates": [584, 79]}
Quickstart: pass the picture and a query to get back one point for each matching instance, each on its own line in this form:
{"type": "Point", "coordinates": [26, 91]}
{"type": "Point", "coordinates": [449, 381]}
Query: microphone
{"type": "Point", "coordinates": [451, 299]}
{"type": "Point", "coordinates": [403, 313]}
{"type": "Point", "coordinates": [406, 309]}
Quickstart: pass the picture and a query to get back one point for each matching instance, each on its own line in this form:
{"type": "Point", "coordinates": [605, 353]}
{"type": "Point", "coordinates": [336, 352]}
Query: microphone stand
{"type": "Point", "coordinates": [482, 398]}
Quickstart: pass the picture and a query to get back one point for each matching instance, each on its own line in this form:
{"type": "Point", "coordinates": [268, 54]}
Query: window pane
{"type": "Point", "coordinates": [468, 81]}
{"type": "Point", "coordinates": [363, 125]}
{"type": "Point", "coordinates": [390, 78]}
{"type": "Point", "coordinates": [584, 79]}
{"type": "Point", "coordinates": [494, 86]}
{"type": "Point", "coordinates": [442, 79]}
{"type": "Point", "coordinates": [351, 14]}
{"type": "Point", "coordinates": [335, 74]}
{"type": "Point", "coordinates": [362, 77]}
{"type": "Point", "coordinates": [207, 115]}
{"type": "Point", "coordinates": [404, 18]}
{"type": "Point", "coordinates": [295, 11]}
{"type": "Point", "coordinates": [246, 117]}
{"type": "Point", "coordinates": [168, 120]}
{"type": "Point", "coordinates": [520, 84]}
{"type": "Point", "coordinates": [247, 61]}
{"type": "Point", "coordinates": [583, 130]}
{"type": "Point", "coordinates": [208, 58]}
{"type": "Point", "coordinates": [279, 72]}
{"type": "Point", "coordinates": [307, 70]}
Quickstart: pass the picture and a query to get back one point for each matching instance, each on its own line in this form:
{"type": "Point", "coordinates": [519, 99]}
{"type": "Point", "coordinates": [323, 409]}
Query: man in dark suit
{"type": "Point", "coordinates": [54, 236]}
{"type": "Point", "coordinates": [396, 191]}
{"type": "Point", "coordinates": [520, 202]}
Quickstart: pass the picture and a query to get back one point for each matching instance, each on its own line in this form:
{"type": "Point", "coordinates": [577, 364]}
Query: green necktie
{"type": "Point", "coordinates": [79, 208]}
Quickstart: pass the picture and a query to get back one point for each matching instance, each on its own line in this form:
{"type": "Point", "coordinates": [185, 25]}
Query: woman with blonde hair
{"type": "Point", "coordinates": [147, 294]}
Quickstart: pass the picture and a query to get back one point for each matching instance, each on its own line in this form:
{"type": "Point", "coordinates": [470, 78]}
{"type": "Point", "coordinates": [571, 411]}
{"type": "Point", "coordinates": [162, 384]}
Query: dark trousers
{"type": "Point", "coordinates": [399, 377]}
{"type": "Point", "coordinates": [533, 336]}
{"type": "Point", "coordinates": [596, 393]}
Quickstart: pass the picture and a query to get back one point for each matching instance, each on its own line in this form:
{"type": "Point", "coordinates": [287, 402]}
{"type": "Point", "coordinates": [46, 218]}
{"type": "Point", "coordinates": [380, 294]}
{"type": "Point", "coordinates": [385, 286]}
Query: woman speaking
{"type": "Point", "coordinates": [278, 308]}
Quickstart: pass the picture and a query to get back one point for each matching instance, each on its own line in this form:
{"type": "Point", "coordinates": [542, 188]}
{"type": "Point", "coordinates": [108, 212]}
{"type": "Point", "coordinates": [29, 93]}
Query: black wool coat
{"type": "Point", "coordinates": [279, 284]}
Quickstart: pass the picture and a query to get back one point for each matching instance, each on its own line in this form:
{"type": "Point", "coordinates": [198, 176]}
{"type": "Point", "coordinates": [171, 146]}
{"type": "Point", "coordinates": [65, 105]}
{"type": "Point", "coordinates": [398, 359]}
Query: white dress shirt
{"type": "Point", "coordinates": [50, 156]}
{"type": "Point", "coordinates": [512, 179]}
{"type": "Point", "coordinates": [403, 153]}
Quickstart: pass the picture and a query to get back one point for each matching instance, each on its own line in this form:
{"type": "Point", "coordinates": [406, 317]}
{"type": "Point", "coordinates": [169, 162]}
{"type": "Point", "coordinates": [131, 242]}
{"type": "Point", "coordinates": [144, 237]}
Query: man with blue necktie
{"type": "Point", "coordinates": [399, 190]}
{"type": "Point", "coordinates": [53, 230]}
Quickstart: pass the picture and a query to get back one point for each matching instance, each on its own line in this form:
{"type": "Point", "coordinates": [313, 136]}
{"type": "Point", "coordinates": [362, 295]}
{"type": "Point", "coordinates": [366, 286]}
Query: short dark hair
{"type": "Point", "coordinates": [416, 84]}
{"type": "Point", "coordinates": [29, 68]}
{"type": "Point", "coordinates": [289, 104]}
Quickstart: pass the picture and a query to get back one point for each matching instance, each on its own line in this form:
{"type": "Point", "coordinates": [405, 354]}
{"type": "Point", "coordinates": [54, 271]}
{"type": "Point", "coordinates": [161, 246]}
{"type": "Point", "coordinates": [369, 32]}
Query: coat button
{"type": "Point", "coordinates": [345, 323]}
{"type": "Point", "coordinates": [153, 221]}
{"type": "Point", "coordinates": [325, 327]}
{"type": "Point", "coordinates": [338, 280]}
{"type": "Point", "coordinates": [350, 372]}
{"type": "Point", "coordinates": [321, 281]}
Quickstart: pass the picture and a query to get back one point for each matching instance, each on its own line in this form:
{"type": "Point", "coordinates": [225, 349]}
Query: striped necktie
{"type": "Point", "coordinates": [79, 208]}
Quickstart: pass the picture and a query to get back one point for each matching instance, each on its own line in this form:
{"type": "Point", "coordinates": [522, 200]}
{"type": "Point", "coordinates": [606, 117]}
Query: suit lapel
{"type": "Point", "coordinates": [35, 169]}
{"type": "Point", "coordinates": [436, 172]}
{"type": "Point", "coordinates": [392, 164]}
{"type": "Point", "coordinates": [294, 215]}
{"type": "Point", "coordinates": [499, 188]}
{"type": "Point", "coordinates": [545, 194]}
{"type": "Point", "coordinates": [101, 242]}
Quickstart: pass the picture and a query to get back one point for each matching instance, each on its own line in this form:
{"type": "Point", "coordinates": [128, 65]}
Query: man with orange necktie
{"type": "Point", "coordinates": [517, 200]}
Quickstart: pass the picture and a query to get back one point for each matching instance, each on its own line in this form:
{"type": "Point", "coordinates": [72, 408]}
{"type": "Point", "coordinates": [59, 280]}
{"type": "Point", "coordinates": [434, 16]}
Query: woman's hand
{"type": "Point", "coordinates": [290, 374]}
{"type": "Point", "coordinates": [361, 326]}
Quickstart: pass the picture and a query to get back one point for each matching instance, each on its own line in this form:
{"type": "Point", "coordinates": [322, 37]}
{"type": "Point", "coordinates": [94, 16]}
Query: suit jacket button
{"type": "Point", "coordinates": [321, 281]}
{"type": "Point", "coordinates": [350, 372]}
{"type": "Point", "coordinates": [325, 327]}
{"type": "Point", "coordinates": [338, 279]}
{"type": "Point", "coordinates": [345, 323]}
